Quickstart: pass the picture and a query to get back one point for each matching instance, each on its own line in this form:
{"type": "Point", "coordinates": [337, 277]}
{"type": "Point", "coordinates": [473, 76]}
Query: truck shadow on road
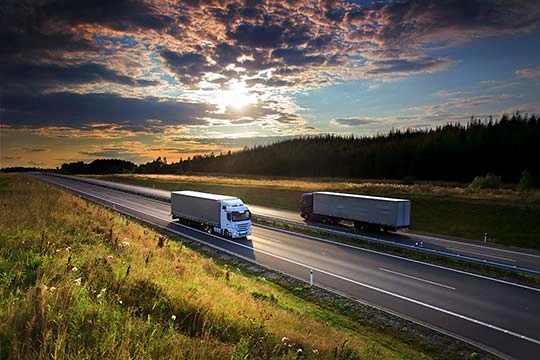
{"type": "Point", "coordinates": [241, 246]}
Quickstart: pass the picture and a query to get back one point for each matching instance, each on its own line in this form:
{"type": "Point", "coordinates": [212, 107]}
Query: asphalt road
{"type": "Point", "coordinates": [498, 316]}
{"type": "Point", "coordinates": [468, 249]}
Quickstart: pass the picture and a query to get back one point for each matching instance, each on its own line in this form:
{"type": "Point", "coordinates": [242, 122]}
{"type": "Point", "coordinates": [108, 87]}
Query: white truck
{"type": "Point", "coordinates": [224, 215]}
{"type": "Point", "coordinates": [366, 212]}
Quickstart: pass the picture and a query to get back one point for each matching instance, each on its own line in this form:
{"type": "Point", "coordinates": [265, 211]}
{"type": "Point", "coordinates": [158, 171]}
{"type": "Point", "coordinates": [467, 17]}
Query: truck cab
{"type": "Point", "coordinates": [235, 219]}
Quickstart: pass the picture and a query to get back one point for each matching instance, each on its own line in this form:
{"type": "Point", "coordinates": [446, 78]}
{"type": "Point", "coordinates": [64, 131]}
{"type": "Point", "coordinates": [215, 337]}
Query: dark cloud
{"type": "Point", "coordinates": [227, 54]}
{"type": "Point", "coordinates": [408, 66]}
{"type": "Point", "coordinates": [351, 121]}
{"type": "Point", "coordinates": [189, 67]}
{"type": "Point", "coordinates": [121, 15]}
{"type": "Point", "coordinates": [297, 57]}
{"type": "Point", "coordinates": [192, 150]}
{"type": "Point", "coordinates": [257, 36]}
{"type": "Point", "coordinates": [424, 21]}
{"type": "Point", "coordinates": [34, 149]}
{"type": "Point", "coordinates": [34, 77]}
{"type": "Point", "coordinates": [109, 153]}
{"type": "Point", "coordinates": [28, 32]}
{"type": "Point", "coordinates": [78, 111]}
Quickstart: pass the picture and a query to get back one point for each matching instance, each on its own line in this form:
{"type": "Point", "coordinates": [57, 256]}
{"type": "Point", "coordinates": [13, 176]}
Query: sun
{"type": "Point", "coordinates": [237, 96]}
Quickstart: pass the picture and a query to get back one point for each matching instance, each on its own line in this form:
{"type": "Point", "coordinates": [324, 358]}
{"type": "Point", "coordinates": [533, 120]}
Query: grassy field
{"type": "Point", "coordinates": [508, 216]}
{"type": "Point", "coordinates": [81, 282]}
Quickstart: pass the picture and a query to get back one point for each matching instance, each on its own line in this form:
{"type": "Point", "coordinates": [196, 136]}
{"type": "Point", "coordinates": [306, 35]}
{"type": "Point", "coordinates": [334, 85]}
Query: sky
{"type": "Point", "coordinates": [141, 79]}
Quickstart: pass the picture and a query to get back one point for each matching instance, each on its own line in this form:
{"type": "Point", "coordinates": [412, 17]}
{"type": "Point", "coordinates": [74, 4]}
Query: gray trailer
{"type": "Point", "coordinates": [364, 211]}
{"type": "Point", "coordinates": [225, 215]}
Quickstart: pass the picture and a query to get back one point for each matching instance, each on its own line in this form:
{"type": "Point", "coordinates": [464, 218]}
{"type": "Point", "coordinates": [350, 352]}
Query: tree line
{"type": "Point", "coordinates": [454, 152]}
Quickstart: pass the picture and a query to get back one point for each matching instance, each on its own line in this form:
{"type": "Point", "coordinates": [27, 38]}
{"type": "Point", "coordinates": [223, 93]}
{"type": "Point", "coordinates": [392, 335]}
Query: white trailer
{"type": "Point", "coordinates": [365, 211]}
{"type": "Point", "coordinates": [225, 215]}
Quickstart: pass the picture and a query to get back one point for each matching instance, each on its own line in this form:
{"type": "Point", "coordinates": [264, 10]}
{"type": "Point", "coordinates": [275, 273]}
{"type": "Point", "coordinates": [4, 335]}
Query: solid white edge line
{"type": "Point", "coordinates": [386, 292]}
{"type": "Point", "coordinates": [477, 253]}
{"type": "Point", "coordinates": [473, 245]}
{"type": "Point", "coordinates": [417, 278]}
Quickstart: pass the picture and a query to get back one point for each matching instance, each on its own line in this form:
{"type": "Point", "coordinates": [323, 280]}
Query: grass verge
{"type": "Point", "coordinates": [79, 281]}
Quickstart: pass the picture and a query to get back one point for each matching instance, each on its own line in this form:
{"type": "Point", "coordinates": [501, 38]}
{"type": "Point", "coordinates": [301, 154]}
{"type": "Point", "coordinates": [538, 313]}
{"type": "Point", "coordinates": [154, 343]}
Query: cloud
{"type": "Point", "coordinates": [351, 121]}
{"type": "Point", "coordinates": [528, 73]}
{"type": "Point", "coordinates": [409, 66]}
{"type": "Point", "coordinates": [188, 67]}
{"type": "Point", "coordinates": [31, 78]}
{"type": "Point", "coordinates": [124, 15]}
{"type": "Point", "coordinates": [447, 93]}
{"type": "Point", "coordinates": [81, 111]}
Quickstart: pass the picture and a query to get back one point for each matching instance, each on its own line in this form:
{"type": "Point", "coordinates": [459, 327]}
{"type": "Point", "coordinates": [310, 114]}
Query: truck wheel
{"type": "Point", "coordinates": [226, 234]}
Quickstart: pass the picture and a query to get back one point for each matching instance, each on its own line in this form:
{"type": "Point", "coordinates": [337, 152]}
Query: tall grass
{"type": "Point", "coordinates": [79, 282]}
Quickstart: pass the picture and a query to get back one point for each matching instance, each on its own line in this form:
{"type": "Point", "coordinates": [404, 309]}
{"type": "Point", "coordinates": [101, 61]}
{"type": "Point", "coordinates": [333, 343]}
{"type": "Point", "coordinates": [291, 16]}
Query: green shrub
{"type": "Point", "coordinates": [526, 181]}
{"type": "Point", "coordinates": [489, 181]}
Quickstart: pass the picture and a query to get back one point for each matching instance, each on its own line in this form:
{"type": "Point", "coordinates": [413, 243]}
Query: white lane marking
{"type": "Point", "coordinates": [433, 307]}
{"type": "Point", "coordinates": [417, 278]}
{"type": "Point", "coordinates": [472, 245]}
{"type": "Point", "coordinates": [270, 239]}
{"type": "Point", "coordinates": [477, 253]}
{"type": "Point", "coordinates": [399, 257]}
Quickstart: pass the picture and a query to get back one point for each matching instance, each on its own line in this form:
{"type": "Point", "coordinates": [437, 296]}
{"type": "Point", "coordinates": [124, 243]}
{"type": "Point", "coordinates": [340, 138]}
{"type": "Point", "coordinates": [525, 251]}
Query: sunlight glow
{"type": "Point", "coordinates": [237, 96]}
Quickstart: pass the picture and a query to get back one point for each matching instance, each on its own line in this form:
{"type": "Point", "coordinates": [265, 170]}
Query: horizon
{"type": "Point", "coordinates": [137, 80]}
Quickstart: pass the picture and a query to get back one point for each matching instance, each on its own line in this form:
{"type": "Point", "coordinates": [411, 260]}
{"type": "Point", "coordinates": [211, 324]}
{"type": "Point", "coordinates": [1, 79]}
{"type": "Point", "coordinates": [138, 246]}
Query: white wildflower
{"type": "Point", "coordinates": [74, 268]}
{"type": "Point", "coordinates": [52, 289]}
{"type": "Point", "coordinates": [110, 256]}
{"type": "Point", "coordinates": [316, 352]}
{"type": "Point", "coordinates": [78, 281]}
{"type": "Point", "coordinates": [284, 339]}
{"type": "Point", "coordinates": [173, 317]}
{"type": "Point", "coordinates": [299, 351]}
{"type": "Point", "coordinates": [102, 292]}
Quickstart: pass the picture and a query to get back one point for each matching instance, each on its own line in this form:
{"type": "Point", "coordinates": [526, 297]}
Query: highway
{"type": "Point", "coordinates": [477, 251]}
{"type": "Point", "coordinates": [499, 316]}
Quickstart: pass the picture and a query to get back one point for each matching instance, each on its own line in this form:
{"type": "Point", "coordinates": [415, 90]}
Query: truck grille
{"type": "Point", "coordinates": [242, 227]}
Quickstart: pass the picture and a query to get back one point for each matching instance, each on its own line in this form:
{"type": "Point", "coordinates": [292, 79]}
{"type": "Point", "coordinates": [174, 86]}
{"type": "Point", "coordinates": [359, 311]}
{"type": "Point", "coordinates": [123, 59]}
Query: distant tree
{"type": "Point", "coordinates": [526, 181]}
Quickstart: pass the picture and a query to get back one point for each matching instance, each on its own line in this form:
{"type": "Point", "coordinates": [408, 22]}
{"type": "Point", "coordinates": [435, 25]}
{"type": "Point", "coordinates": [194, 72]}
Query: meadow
{"type": "Point", "coordinates": [510, 217]}
{"type": "Point", "coordinates": [81, 282]}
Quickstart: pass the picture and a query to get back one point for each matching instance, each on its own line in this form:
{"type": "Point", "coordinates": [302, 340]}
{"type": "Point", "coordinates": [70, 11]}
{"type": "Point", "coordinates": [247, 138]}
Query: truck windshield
{"type": "Point", "coordinates": [241, 216]}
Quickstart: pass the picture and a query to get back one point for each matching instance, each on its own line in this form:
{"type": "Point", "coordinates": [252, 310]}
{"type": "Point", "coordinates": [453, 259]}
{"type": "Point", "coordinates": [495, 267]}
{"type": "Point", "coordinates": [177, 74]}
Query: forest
{"type": "Point", "coordinates": [505, 147]}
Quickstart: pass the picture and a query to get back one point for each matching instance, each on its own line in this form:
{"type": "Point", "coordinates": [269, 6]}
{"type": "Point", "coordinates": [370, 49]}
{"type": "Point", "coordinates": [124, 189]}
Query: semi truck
{"type": "Point", "coordinates": [366, 212]}
{"type": "Point", "coordinates": [220, 214]}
